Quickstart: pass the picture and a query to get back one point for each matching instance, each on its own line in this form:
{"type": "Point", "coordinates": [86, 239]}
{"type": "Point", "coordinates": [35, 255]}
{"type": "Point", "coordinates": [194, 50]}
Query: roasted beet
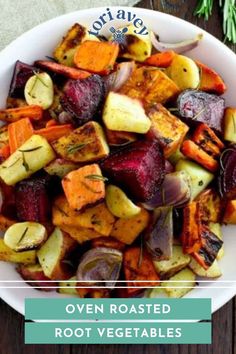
{"type": "Point", "coordinates": [8, 207]}
{"type": "Point", "coordinates": [139, 168]}
{"type": "Point", "coordinates": [22, 73]}
{"type": "Point", "coordinates": [227, 175]}
{"type": "Point", "coordinates": [82, 98]}
{"type": "Point", "coordinates": [32, 199]}
{"type": "Point", "coordinates": [198, 106]}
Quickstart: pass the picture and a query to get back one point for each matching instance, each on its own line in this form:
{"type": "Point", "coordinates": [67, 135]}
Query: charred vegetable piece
{"type": "Point", "coordinates": [167, 128]}
{"type": "Point", "coordinates": [32, 200]}
{"type": "Point", "coordinates": [117, 138]}
{"type": "Point", "coordinates": [84, 187]}
{"type": "Point", "coordinates": [108, 242]}
{"type": "Point", "coordinates": [35, 272]}
{"type": "Point", "coordinates": [159, 235]}
{"type": "Point", "coordinates": [11, 115]}
{"type": "Point", "coordinates": [82, 98]}
{"type": "Point", "coordinates": [150, 85]}
{"type": "Point", "coordinates": [54, 252]}
{"type": "Point", "coordinates": [176, 288]}
{"type": "Point", "coordinates": [210, 246]}
{"type": "Point", "coordinates": [230, 212]}
{"type": "Point", "coordinates": [64, 70]}
{"type": "Point", "coordinates": [127, 230]}
{"type": "Point", "coordinates": [65, 50]}
{"type": "Point", "coordinates": [190, 237]}
{"type": "Point", "coordinates": [175, 191]}
{"type": "Point", "coordinates": [227, 176]}
{"type": "Point", "coordinates": [210, 205]}
{"type": "Point", "coordinates": [230, 124]}
{"type": "Point", "coordinates": [22, 72]}
{"type": "Point", "coordinates": [208, 140]}
{"type": "Point", "coordinates": [217, 230]}
{"type": "Point", "coordinates": [137, 265]}
{"type": "Point", "coordinates": [210, 80]}
{"type": "Point", "coordinates": [84, 144]}
{"type": "Point", "coordinates": [198, 106]}
{"type": "Point", "coordinates": [119, 204]}
{"type": "Point", "coordinates": [8, 255]}
{"type": "Point", "coordinates": [195, 153]}
{"type": "Point", "coordinates": [60, 167]}
{"type": "Point", "coordinates": [139, 168]}
{"type": "Point", "coordinates": [200, 178]}
{"type": "Point", "coordinates": [212, 272]}
{"type": "Point", "coordinates": [25, 236]}
{"type": "Point", "coordinates": [100, 264]}
{"type": "Point", "coordinates": [102, 60]}
{"type": "Point", "coordinates": [123, 113]}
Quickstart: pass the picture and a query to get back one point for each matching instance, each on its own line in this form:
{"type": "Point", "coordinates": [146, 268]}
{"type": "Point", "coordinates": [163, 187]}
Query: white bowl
{"type": "Point", "coordinates": [41, 40]}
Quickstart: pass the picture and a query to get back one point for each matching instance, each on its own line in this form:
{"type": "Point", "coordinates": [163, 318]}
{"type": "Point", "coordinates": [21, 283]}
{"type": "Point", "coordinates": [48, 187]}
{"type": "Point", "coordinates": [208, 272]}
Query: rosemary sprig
{"type": "Point", "coordinates": [24, 162]}
{"type": "Point", "coordinates": [39, 78]}
{"type": "Point", "coordinates": [204, 8]}
{"type": "Point", "coordinates": [75, 147]}
{"type": "Point", "coordinates": [13, 163]}
{"type": "Point", "coordinates": [23, 235]}
{"type": "Point", "coordinates": [96, 178]}
{"type": "Point", "coordinates": [30, 150]}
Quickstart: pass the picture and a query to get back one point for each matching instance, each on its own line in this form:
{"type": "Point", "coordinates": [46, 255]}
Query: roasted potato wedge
{"type": "Point", "coordinates": [178, 289]}
{"type": "Point", "coordinates": [39, 90]}
{"type": "Point", "coordinates": [8, 255]}
{"type": "Point", "coordinates": [212, 272]}
{"type": "Point", "coordinates": [68, 287]}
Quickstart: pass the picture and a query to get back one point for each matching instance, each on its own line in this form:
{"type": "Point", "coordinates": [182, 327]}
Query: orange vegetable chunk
{"type": "Point", "coordinates": [162, 60]}
{"type": "Point", "coordinates": [19, 132]}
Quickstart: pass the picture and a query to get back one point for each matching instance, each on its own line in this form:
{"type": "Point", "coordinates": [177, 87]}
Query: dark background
{"type": "Point", "coordinates": [223, 324]}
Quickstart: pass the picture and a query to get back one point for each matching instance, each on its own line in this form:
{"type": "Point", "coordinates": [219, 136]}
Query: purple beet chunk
{"type": "Point", "coordinates": [227, 176]}
{"type": "Point", "coordinates": [198, 106]}
{"type": "Point", "coordinates": [32, 199]}
{"type": "Point", "coordinates": [139, 168]}
{"type": "Point", "coordinates": [82, 98]}
{"type": "Point", "coordinates": [22, 73]}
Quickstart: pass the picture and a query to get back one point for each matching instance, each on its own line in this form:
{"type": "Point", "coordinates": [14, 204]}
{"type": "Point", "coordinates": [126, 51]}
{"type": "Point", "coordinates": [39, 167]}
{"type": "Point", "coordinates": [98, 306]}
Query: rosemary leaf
{"type": "Point", "coordinates": [25, 164]}
{"type": "Point", "coordinates": [96, 178]}
{"type": "Point", "coordinates": [76, 147]}
{"type": "Point", "coordinates": [30, 150]}
{"type": "Point", "coordinates": [23, 235]}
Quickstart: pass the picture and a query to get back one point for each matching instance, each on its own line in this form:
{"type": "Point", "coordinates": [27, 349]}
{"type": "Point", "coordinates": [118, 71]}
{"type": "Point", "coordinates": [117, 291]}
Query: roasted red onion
{"type": "Point", "coordinates": [180, 47]}
{"type": "Point", "coordinates": [175, 191]}
{"type": "Point", "coordinates": [227, 176]}
{"type": "Point", "coordinates": [100, 263]}
{"type": "Point", "coordinates": [117, 79]}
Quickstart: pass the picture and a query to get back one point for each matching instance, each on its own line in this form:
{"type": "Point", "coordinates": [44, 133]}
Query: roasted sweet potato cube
{"type": "Point", "coordinates": [230, 212]}
{"type": "Point", "coordinates": [127, 230]}
{"type": "Point", "coordinates": [63, 215]}
{"type": "Point", "coordinates": [210, 206]}
{"type": "Point", "coordinates": [138, 265]}
{"type": "Point", "coordinates": [169, 129]}
{"type": "Point", "coordinates": [84, 144]}
{"type": "Point", "coordinates": [84, 187]}
{"type": "Point", "coordinates": [108, 242]}
{"type": "Point", "coordinates": [206, 138]}
{"type": "Point", "coordinates": [210, 80]}
{"type": "Point", "coordinates": [150, 85]}
{"type": "Point", "coordinates": [190, 236]}
{"type": "Point", "coordinates": [80, 234]}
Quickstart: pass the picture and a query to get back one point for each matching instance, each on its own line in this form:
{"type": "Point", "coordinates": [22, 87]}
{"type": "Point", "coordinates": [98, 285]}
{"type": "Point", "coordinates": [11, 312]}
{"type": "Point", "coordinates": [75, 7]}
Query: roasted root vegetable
{"type": "Point", "coordinates": [102, 60]}
{"type": "Point", "coordinates": [100, 264]}
{"type": "Point", "coordinates": [22, 72]}
{"type": "Point", "coordinates": [5, 222]}
{"type": "Point", "coordinates": [68, 287]}
{"type": "Point", "coordinates": [159, 234]}
{"type": "Point", "coordinates": [119, 204]}
{"type": "Point", "coordinates": [80, 234]}
{"type": "Point", "coordinates": [127, 230]}
{"type": "Point", "coordinates": [33, 155]}
{"type": "Point", "coordinates": [178, 261]}
{"type": "Point", "coordinates": [138, 168]}
{"type": "Point", "coordinates": [196, 153]}
{"type": "Point", "coordinates": [8, 255]}
{"type": "Point", "coordinates": [11, 115]}
{"type": "Point", "coordinates": [161, 60]}
{"type": "Point", "coordinates": [123, 113]}
{"type": "Point", "coordinates": [60, 167]}
{"type": "Point", "coordinates": [167, 128]}
{"type": "Point", "coordinates": [84, 187]}
{"type": "Point", "coordinates": [175, 288]}
{"type": "Point", "coordinates": [4, 152]}
{"type": "Point", "coordinates": [191, 237]}
{"type": "Point", "coordinates": [217, 230]}
{"type": "Point", "coordinates": [84, 144]}
{"type": "Point", "coordinates": [210, 81]}
{"type": "Point", "coordinates": [200, 178]}
{"type": "Point", "coordinates": [208, 140]}
{"type": "Point", "coordinates": [230, 212]}
{"type": "Point", "coordinates": [19, 132]}
{"type": "Point", "coordinates": [25, 236]}
{"type": "Point", "coordinates": [150, 85]}
{"type": "Point", "coordinates": [184, 72]}
{"type": "Point", "coordinates": [108, 242]}
{"type": "Point", "coordinates": [210, 206]}
{"type": "Point", "coordinates": [118, 138]}
{"type": "Point", "coordinates": [212, 272]}
{"type": "Point", "coordinates": [4, 138]}
{"type": "Point", "coordinates": [136, 46]}
{"type": "Point", "coordinates": [35, 272]}
{"type": "Point", "coordinates": [54, 252]}
{"type": "Point", "coordinates": [54, 132]}
{"type": "Point", "coordinates": [60, 69]}
{"type": "Point", "coordinates": [198, 106]}
{"type": "Point", "coordinates": [39, 90]}
{"type": "Point", "coordinates": [227, 175]}
{"type": "Point", "coordinates": [230, 124]}
{"type": "Point", "coordinates": [65, 50]}
{"type": "Point", "coordinates": [137, 266]}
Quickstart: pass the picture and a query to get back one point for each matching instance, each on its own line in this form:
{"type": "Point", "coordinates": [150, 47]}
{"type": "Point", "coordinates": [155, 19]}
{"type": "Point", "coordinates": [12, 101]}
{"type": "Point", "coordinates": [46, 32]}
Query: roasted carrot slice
{"type": "Point", "coordinates": [194, 152]}
{"type": "Point", "coordinates": [4, 152]}
{"type": "Point", "coordinates": [208, 140]}
{"type": "Point", "coordinates": [162, 60]}
{"type": "Point", "coordinates": [12, 115]}
{"type": "Point", "coordinates": [96, 57]}
{"type": "Point", "coordinates": [51, 123]}
{"type": "Point", "coordinates": [190, 236]}
{"type": "Point", "coordinates": [72, 73]}
{"type": "Point", "coordinates": [210, 80]}
{"type": "Point", "coordinates": [54, 132]}
{"type": "Point", "coordinates": [19, 132]}
{"type": "Point", "coordinates": [138, 265]}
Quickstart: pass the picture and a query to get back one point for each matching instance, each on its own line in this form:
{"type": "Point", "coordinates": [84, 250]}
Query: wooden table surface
{"type": "Point", "coordinates": [224, 330]}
